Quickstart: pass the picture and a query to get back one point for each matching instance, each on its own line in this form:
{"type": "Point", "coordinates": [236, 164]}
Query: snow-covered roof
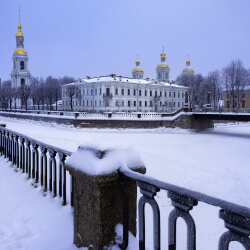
{"type": "Point", "coordinates": [121, 79]}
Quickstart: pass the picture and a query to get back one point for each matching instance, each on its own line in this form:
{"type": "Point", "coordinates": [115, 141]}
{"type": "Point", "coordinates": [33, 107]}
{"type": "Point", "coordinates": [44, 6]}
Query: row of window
{"type": "Point", "coordinates": [134, 93]}
{"type": "Point", "coordinates": [121, 103]}
{"type": "Point", "coordinates": [243, 104]}
{"type": "Point", "coordinates": [243, 95]}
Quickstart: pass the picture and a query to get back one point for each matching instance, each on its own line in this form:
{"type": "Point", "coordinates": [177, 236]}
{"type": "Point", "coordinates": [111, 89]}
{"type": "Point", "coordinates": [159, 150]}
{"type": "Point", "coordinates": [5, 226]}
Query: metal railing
{"type": "Point", "coordinates": [236, 217]}
{"type": "Point", "coordinates": [39, 161]}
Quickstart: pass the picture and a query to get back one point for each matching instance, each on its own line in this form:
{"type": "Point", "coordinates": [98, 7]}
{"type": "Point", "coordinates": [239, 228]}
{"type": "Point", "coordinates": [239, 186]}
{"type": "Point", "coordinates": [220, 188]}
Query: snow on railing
{"type": "Point", "coordinates": [236, 217]}
{"type": "Point", "coordinates": [39, 161]}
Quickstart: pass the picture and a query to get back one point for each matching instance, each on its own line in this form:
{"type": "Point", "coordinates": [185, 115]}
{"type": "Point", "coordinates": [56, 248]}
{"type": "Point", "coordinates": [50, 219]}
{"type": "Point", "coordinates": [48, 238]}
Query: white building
{"type": "Point", "coordinates": [123, 94]}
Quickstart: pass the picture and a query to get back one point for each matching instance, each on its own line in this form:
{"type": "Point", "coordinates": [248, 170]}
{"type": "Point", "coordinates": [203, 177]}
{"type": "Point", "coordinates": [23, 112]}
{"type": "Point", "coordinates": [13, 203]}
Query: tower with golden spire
{"type": "Point", "coordinates": [188, 69]}
{"type": "Point", "coordinates": [20, 75]}
{"type": "Point", "coordinates": [162, 69]}
{"type": "Point", "coordinates": [137, 72]}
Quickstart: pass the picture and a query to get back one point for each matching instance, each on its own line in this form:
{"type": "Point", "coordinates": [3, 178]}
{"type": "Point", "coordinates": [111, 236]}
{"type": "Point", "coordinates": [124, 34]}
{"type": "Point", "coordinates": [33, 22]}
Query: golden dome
{"type": "Point", "coordinates": [188, 69]}
{"type": "Point", "coordinates": [137, 69]}
{"type": "Point", "coordinates": [163, 56]}
{"type": "Point", "coordinates": [20, 51]}
{"type": "Point", "coordinates": [19, 33]}
{"type": "Point", "coordinates": [162, 66]}
{"type": "Point", "coordinates": [137, 62]}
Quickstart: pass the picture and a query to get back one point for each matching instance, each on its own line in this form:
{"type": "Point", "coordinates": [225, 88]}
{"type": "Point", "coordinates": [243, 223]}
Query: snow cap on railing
{"type": "Point", "coordinates": [97, 160]}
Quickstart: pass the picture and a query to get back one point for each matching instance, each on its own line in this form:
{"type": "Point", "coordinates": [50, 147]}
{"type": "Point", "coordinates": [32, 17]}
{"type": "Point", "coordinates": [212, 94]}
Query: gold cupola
{"type": "Point", "coordinates": [188, 68]}
{"type": "Point", "coordinates": [163, 58]}
{"type": "Point", "coordinates": [137, 63]}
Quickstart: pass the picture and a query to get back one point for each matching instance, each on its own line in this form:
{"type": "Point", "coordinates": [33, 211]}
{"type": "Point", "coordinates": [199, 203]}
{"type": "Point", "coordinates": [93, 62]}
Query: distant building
{"type": "Point", "coordinates": [116, 93]}
{"type": "Point", "coordinates": [240, 99]}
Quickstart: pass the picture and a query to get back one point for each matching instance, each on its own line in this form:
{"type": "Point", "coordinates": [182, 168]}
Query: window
{"type": "Point", "coordinates": [122, 103]}
{"type": "Point", "coordinates": [91, 92]}
{"type": "Point", "coordinates": [76, 103]}
{"type": "Point", "coordinates": [178, 104]}
{"type": "Point", "coordinates": [146, 104]}
{"type": "Point", "coordinates": [82, 103]}
{"type": "Point", "coordinates": [182, 95]}
{"type": "Point", "coordinates": [228, 104]}
{"type": "Point", "coordinates": [100, 103]}
{"type": "Point", "coordinates": [128, 103]}
{"type": "Point", "coordinates": [243, 95]}
{"type": "Point", "coordinates": [169, 94]}
{"type": "Point", "coordinates": [128, 91]}
{"type": "Point", "coordinates": [160, 104]}
{"type": "Point", "coordinates": [151, 104]}
{"type": "Point", "coordinates": [160, 93]}
{"type": "Point", "coordinates": [95, 91]}
{"type": "Point", "coordinates": [178, 94]}
{"type": "Point", "coordinates": [116, 91]}
{"type": "Point", "coordinates": [100, 91]}
{"type": "Point", "coordinates": [174, 104]}
{"type": "Point", "coordinates": [165, 94]}
{"type": "Point", "coordinates": [140, 103]}
{"type": "Point", "coordinates": [107, 91]}
{"type": "Point", "coordinates": [140, 92]}
{"type": "Point", "coordinates": [174, 94]}
{"type": "Point", "coordinates": [22, 82]}
{"type": "Point", "coordinates": [95, 103]}
{"type": "Point", "coordinates": [87, 92]}
{"type": "Point", "coordinates": [122, 91]}
{"type": "Point", "coordinates": [134, 92]}
{"type": "Point", "coordinates": [145, 92]}
{"type": "Point", "coordinates": [135, 103]}
{"type": "Point", "coordinates": [156, 93]}
{"type": "Point", "coordinates": [91, 103]}
{"type": "Point", "coordinates": [22, 65]}
{"type": "Point", "coordinates": [87, 103]}
{"type": "Point", "coordinates": [150, 93]}
{"type": "Point", "coordinates": [243, 104]}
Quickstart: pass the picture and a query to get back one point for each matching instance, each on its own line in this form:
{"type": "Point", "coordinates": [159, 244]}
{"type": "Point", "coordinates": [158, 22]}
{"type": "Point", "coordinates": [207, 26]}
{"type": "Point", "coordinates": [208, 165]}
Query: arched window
{"type": "Point", "coordinates": [22, 65]}
{"type": "Point", "coordinates": [22, 82]}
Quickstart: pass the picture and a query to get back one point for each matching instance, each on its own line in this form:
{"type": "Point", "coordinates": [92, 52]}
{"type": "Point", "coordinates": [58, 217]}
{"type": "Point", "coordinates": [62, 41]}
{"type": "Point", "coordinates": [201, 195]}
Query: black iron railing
{"type": "Point", "coordinates": [236, 217]}
{"type": "Point", "coordinates": [39, 161]}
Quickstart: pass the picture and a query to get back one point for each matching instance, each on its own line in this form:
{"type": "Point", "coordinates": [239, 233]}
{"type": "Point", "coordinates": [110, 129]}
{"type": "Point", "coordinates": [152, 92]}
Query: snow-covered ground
{"type": "Point", "coordinates": [214, 162]}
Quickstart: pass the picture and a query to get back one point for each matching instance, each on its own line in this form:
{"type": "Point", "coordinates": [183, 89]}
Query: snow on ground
{"type": "Point", "coordinates": [214, 162]}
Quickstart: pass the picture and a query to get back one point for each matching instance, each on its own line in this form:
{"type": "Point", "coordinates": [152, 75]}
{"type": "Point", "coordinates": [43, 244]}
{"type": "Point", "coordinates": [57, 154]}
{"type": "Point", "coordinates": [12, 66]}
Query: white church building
{"type": "Point", "coordinates": [123, 94]}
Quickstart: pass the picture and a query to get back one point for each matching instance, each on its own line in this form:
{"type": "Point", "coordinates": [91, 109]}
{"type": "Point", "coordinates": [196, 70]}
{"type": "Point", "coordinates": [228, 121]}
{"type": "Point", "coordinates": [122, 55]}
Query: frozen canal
{"type": "Point", "coordinates": [214, 162]}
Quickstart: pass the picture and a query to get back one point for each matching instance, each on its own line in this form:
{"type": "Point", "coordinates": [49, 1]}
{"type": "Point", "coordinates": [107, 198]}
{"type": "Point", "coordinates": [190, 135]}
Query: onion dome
{"type": "Point", "coordinates": [20, 51]}
{"type": "Point", "coordinates": [137, 63]}
{"type": "Point", "coordinates": [188, 68]}
{"type": "Point", "coordinates": [163, 58]}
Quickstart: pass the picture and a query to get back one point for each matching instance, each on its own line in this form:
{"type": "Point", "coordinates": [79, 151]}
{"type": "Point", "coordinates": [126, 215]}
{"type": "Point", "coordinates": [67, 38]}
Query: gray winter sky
{"type": "Point", "coordinates": [82, 38]}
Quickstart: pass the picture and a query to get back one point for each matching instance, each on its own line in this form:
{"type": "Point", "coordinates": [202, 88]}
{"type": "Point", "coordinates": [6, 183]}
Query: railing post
{"type": "Point", "coordinates": [239, 230]}
{"type": "Point", "coordinates": [182, 206]}
{"type": "Point", "coordinates": [28, 158]}
{"type": "Point", "coordinates": [62, 177]}
{"type": "Point", "coordinates": [22, 154]}
{"type": "Point", "coordinates": [98, 199]}
{"type": "Point", "coordinates": [52, 172]}
{"type": "Point", "coordinates": [35, 167]}
{"type": "Point", "coordinates": [43, 167]}
{"type": "Point", "coordinates": [17, 150]}
{"type": "Point", "coordinates": [149, 192]}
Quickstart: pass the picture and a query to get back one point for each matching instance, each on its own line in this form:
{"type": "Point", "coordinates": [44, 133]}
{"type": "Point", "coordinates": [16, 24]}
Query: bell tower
{"type": "Point", "coordinates": [20, 75]}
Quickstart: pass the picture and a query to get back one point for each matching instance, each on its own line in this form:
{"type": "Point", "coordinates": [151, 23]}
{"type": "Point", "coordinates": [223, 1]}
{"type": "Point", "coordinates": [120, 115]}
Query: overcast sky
{"type": "Point", "coordinates": [82, 38]}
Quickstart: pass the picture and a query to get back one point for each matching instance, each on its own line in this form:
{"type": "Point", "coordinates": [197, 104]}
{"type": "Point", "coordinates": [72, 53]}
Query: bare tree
{"type": "Point", "coordinates": [72, 91]}
{"type": "Point", "coordinates": [24, 94]}
{"type": "Point", "coordinates": [235, 79]}
{"type": "Point", "coordinates": [212, 85]}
